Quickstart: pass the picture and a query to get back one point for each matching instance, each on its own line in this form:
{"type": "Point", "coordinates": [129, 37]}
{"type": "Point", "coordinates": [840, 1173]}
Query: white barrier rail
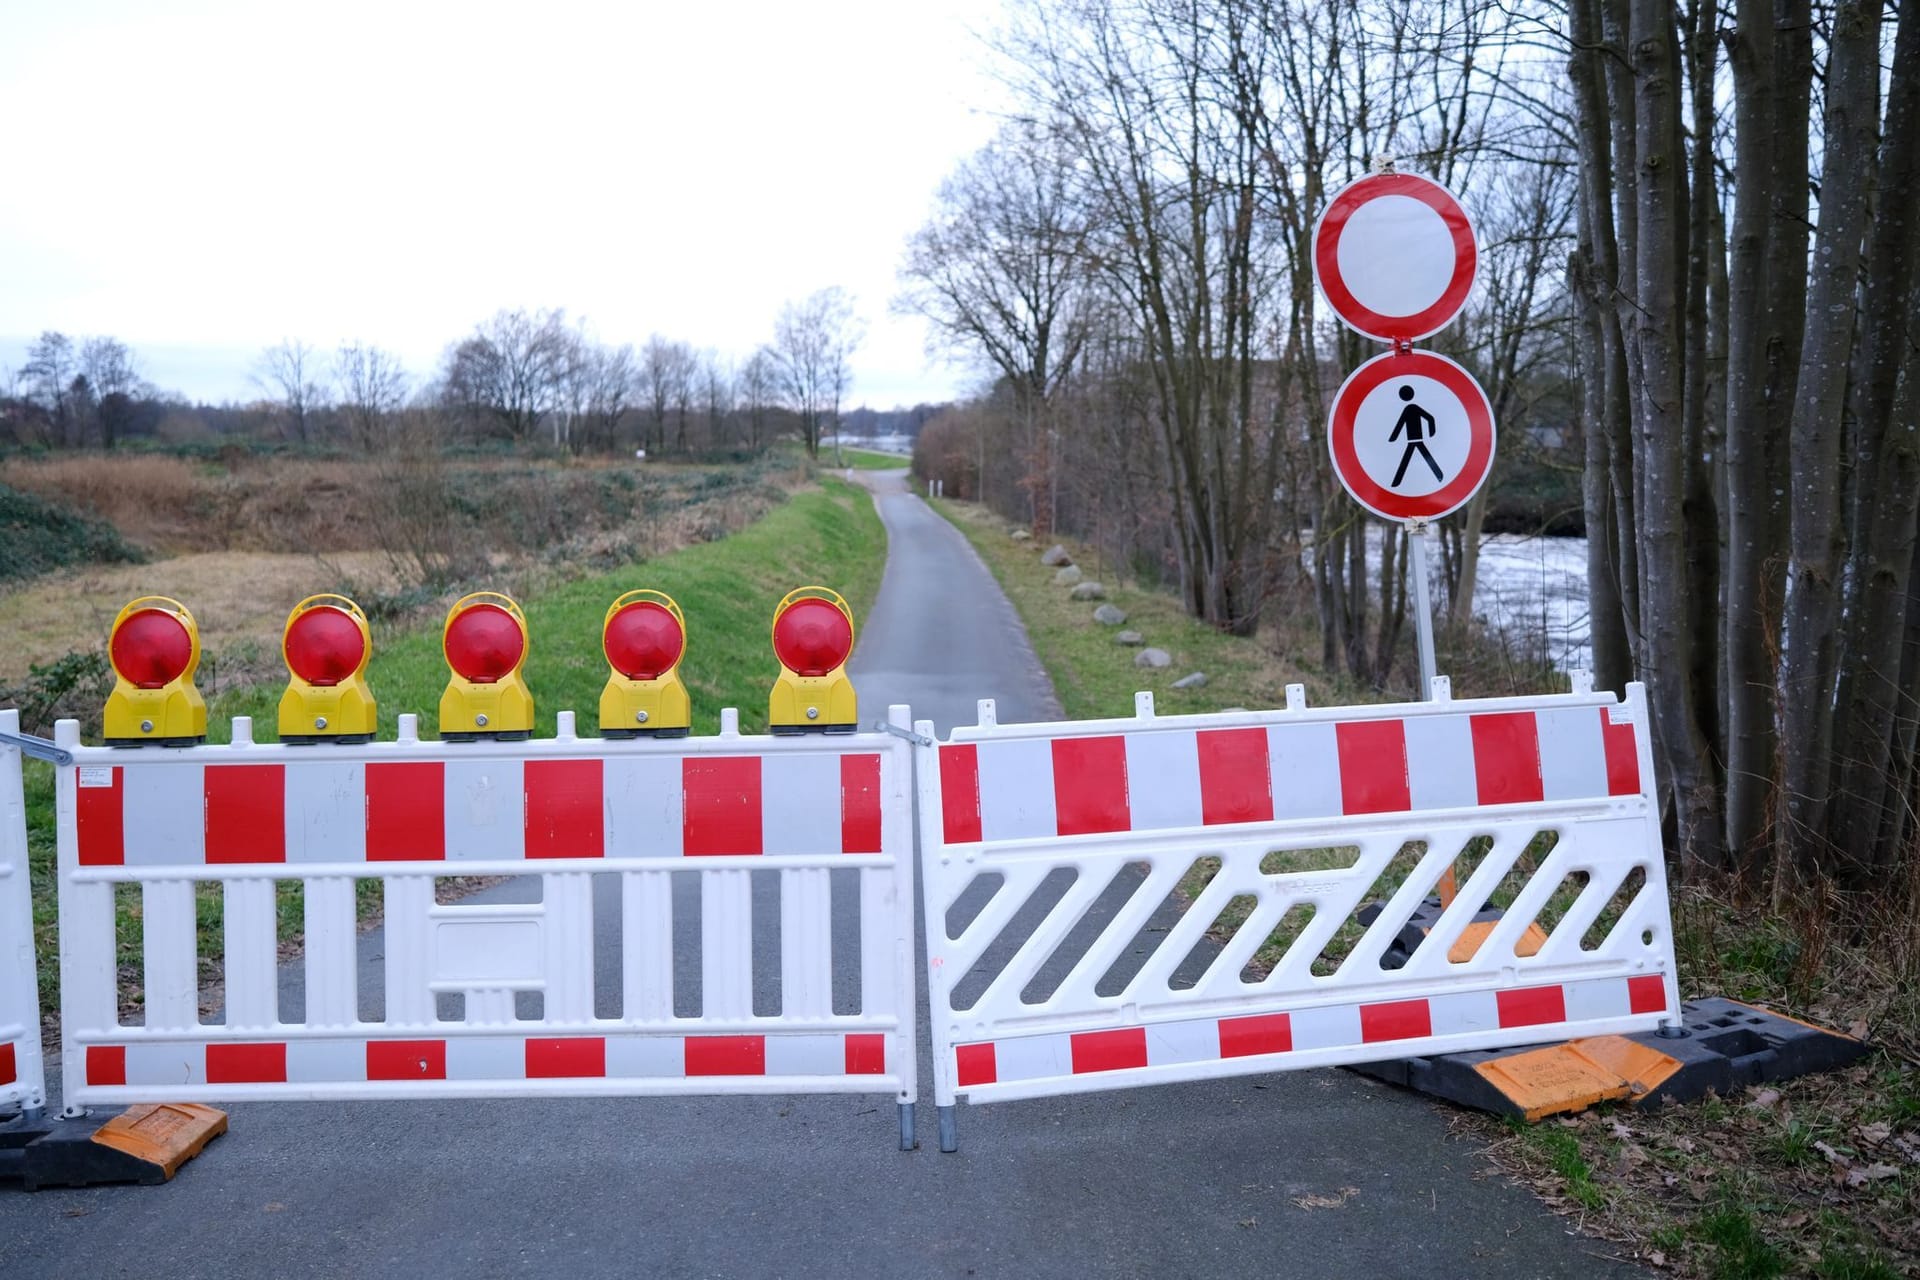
{"type": "Point", "coordinates": [22, 1071]}
{"type": "Point", "coordinates": [1054, 857]}
{"type": "Point", "coordinates": [704, 836]}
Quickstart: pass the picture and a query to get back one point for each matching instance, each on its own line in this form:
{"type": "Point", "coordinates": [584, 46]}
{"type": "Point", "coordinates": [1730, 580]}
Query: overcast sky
{"type": "Point", "coordinates": [201, 180]}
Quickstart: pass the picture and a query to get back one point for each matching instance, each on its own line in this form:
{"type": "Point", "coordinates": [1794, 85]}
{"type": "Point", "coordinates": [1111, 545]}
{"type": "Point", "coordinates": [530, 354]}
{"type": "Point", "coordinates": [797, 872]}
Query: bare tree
{"type": "Point", "coordinates": [373, 387]}
{"type": "Point", "coordinates": [813, 345]}
{"type": "Point", "coordinates": [759, 391]}
{"type": "Point", "coordinates": [716, 396]}
{"type": "Point", "coordinates": [999, 272]}
{"type": "Point", "coordinates": [666, 373]}
{"type": "Point", "coordinates": [47, 379]}
{"type": "Point", "coordinates": [510, 372]}
{"type": "Point", "coordinates": [290, 372]}
{"type": "Point", "coordinates": [600, 385]}
{"type": "Point", "coordinates": [109, 369]}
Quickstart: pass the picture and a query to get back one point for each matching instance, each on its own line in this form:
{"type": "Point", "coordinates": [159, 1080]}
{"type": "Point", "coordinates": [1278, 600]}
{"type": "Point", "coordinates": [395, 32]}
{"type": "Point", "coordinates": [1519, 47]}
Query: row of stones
{"type": "Point", "coordinates": [1067, 574]}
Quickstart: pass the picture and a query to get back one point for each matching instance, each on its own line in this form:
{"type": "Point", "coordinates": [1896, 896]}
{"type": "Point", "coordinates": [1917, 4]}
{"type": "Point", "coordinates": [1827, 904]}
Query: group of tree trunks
{"type": "Point", "coordinates": [1750, 393]}
{"type": "Point", "coordinates": [1729, 358]}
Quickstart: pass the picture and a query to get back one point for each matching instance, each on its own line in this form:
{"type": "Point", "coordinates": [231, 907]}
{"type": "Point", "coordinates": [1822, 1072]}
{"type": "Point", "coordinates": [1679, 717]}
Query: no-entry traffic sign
{"type": "Point", "coordinates": [1411, 434]}
{"type": "Point", "coordinates": [1394, 256]}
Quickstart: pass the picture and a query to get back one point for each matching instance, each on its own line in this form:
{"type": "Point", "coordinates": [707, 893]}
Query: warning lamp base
{"type": "Point", "coordinates": [321, 739]}
{"type": "Point", "coordinates": [682, 732]}
{"type": "Point", "coordinates": [506, 735]}
{"type": "Point", "coordinates": [155, 742]}
{"type": "Point", "coordinates": [813, 704]}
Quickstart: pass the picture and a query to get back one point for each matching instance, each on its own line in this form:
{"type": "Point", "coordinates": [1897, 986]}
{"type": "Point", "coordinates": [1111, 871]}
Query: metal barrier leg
{"type": "Point", "coordinates": [949, 1129]}
{"type": "Point", "coordinates": [906, 1126]}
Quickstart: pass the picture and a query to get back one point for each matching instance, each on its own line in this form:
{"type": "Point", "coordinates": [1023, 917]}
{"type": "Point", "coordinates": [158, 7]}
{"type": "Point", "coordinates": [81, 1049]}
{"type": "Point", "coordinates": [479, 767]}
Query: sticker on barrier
{"type": "Point", "coordinates": [22, 1073]}
{"type": "Point", "coordinates": [1127, 902]}
{"type": "Point", "coordinates": [691, 842]}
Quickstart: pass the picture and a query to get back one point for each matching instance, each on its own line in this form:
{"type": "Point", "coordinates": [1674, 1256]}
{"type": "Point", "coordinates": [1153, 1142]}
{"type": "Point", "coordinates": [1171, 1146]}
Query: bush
{"type": "Point", "coordinates": [73, 686]}
{"type": "Point", "coordinates": [40, 536]}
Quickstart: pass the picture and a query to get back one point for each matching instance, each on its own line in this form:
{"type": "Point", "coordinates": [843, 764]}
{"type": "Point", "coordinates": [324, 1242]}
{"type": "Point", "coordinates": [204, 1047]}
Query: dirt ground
{"type": "Point", "coordinates": [235, 596]}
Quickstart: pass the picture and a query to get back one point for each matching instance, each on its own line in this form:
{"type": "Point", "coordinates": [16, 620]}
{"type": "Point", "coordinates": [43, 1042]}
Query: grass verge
{"type": "Point", "coordinates": [1094, 675]}
{"type": "Point", "coordinates": [870, 459]}
{"type": "Point", "coordinates": [830, 536]}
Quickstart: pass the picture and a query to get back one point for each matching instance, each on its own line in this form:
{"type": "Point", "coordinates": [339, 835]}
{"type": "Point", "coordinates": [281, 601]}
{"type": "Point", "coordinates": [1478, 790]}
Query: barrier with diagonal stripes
{"type": "Point", "coordinates": [696, 841]}
{"type": "Point", "coordinates": [1077, 876]}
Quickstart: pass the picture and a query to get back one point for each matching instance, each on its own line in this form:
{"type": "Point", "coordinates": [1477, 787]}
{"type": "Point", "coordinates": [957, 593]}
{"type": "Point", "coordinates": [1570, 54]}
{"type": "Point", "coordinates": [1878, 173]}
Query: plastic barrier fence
{"type": "Point", "coordinates": [696, 841]}
{"type": "Point", "coordinates": [1056, 857]}
{"type": "Point", "coordinates": [22, 1074]}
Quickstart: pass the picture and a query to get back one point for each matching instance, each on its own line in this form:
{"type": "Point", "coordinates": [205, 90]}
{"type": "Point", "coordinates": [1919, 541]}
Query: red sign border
{"type": "Point", "coordinates": [1326, 257]}
{"type": "Point", "coordinates": [1451, 496]}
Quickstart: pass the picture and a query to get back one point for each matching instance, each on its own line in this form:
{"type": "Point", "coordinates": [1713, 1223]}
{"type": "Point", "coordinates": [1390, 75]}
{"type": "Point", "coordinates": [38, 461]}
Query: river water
{"type": "Point", "coordinates": [1531, 589]}
{"type": "Point", "coordinates": [1534, 590]}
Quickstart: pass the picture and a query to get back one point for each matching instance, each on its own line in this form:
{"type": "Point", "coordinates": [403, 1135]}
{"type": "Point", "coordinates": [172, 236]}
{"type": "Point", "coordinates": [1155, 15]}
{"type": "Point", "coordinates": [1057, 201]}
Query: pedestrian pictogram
{"type": "Point", "coordinates": [1395, 256]}
{"type": "Point", "coordinates": [1416, 424]}
{"type": "Point", "coordinates": [1411, 434]}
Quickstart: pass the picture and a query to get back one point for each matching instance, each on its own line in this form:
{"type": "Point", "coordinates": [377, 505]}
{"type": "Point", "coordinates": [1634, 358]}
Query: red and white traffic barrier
{"type": "Point", "coordinates": [1127, 806]}
{"type": "Point", "coordinates": [652, 812]}
{"type": "Point", "coordinates": [22, 1072]}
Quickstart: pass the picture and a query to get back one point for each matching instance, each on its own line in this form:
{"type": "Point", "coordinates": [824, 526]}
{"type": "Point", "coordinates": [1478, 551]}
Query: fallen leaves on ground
{"type": "Point", "coordinates": [1336, 1201]}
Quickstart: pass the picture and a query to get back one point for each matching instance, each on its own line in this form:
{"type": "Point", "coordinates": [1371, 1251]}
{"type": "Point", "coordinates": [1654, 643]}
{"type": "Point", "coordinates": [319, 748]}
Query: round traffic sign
{"type": "Point", "coordinates": [1411, 434]}
{"type": "Point", "coordinates": [1394, 256]}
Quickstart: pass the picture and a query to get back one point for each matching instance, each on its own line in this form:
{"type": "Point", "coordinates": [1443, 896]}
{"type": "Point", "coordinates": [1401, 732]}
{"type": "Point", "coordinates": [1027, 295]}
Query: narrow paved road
{"type": "Point", "coordinates": [1318, 1173]}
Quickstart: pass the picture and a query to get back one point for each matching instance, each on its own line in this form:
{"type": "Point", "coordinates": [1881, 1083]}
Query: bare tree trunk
{"type": "Point", "coordinates": [1612, 559]}
{"type": "Point", "coordinates": [1817, 535]}
{"type": "Point", "coordinates": [1753, 537]}
{"type": "Point", "coordinates": [1701, 509]}
{"type": "Point", "coordinates": [1659, 436]}
{"type": "Point", "coordinates": [1612, 665]}
{"type": "Point", "coordinates": [1872, 775]}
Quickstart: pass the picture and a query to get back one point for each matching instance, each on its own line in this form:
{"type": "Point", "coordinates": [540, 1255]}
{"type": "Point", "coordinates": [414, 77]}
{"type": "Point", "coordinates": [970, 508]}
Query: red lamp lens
{"type": "Point", "coordinates": [484, 643]}
{"type": "Point", "coordinates": [324, 646]}
{"type": "Point", "coordinates": [151, 648]}
{"type": "Point", "coordinates": [812, 637]}
{"type": "Point", "coordinates": [643, 640]}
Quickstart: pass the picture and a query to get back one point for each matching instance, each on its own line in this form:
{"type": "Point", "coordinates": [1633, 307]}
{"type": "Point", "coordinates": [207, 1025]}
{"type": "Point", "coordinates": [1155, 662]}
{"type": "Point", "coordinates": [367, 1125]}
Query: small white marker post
{"type": "Point", "coordinates": [1417, 531]}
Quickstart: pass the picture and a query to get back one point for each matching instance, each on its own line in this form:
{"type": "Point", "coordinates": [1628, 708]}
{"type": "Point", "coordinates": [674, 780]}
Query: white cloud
{"type": "Point", "coordinates": [218, 176]}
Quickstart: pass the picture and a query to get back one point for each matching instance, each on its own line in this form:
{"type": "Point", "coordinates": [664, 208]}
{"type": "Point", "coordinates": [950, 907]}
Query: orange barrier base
{"type": "Point", "coordinates": [1725, 1046]}
{"type": "Point", "coordinates": [145, 1144]}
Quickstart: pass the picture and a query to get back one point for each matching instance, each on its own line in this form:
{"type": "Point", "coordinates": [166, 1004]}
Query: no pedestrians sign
{"type": "Point", "coordinates": [1411, 434]}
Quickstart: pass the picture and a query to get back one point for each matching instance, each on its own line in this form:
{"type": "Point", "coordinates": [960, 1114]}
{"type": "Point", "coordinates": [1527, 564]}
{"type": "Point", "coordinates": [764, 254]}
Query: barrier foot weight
{"type": "Point", "coordinates": [144, 1144]}
{"type": "Point", "coordinates": [1721, 1046]}
{"type": "Point", "coordinates": [949, 1129]}
{"type": "Point", "coordinates": [906, 1126]}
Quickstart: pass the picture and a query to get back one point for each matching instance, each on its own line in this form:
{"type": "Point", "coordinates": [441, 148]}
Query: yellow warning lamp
{"type": "Point", "coordinates": [154, 648]}
{"type": "Point", "coordinates": [644, 636]}
{"type": "Point", "coordinates": [326, 645]}
{"type": "Point", "coordinates": [485, 640]}
{"type": "Point", "coordinates": [812, 638]}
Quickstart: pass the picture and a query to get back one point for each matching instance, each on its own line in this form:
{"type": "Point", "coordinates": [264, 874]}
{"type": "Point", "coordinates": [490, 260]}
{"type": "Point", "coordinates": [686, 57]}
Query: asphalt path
{"type": "Point", "coordinates": [1318, 1173]}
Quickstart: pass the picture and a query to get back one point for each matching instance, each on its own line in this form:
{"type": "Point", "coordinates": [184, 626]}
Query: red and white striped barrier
{"type": "Point", "coordinates": [22, 1073]}
{"type": "Point", "coordinates": [1122, 809]}
{"type": "Point", "coordinates": [685, 825]}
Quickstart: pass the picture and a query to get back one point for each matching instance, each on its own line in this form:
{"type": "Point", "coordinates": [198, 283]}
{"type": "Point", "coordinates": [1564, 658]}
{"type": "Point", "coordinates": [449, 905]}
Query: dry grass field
{"type": "Point", "coordinates": [240, 540]}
